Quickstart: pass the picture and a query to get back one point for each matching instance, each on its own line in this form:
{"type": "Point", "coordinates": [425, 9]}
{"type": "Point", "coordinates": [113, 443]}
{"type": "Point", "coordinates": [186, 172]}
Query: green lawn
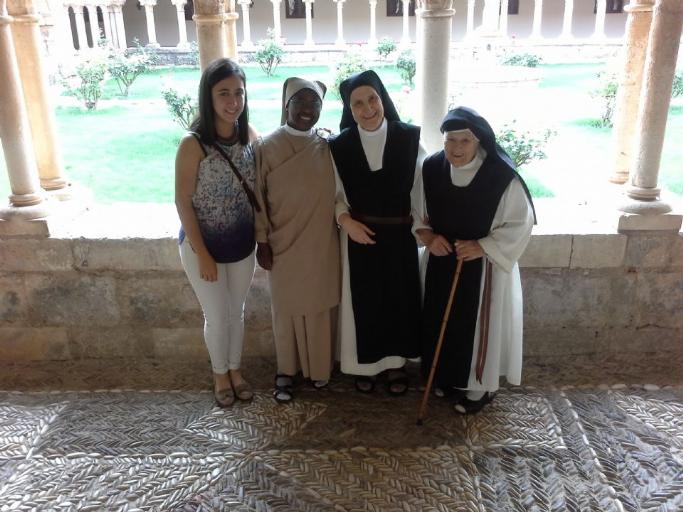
{"type": "Point", "coordinates": [125, 150]}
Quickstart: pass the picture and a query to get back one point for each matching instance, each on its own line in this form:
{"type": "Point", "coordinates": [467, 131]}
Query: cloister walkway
{"type": "Point", "coordinates": [583, 434]}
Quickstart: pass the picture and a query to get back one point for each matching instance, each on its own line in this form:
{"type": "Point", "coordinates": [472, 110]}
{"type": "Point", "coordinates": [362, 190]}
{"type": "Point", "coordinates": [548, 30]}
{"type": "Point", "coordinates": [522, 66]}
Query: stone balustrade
{"type": "Point", "coordinates": [69, 297]}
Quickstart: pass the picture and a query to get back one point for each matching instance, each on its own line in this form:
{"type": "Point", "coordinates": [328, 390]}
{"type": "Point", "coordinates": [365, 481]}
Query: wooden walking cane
{"type": "Point", "coordinates": [439, 343]}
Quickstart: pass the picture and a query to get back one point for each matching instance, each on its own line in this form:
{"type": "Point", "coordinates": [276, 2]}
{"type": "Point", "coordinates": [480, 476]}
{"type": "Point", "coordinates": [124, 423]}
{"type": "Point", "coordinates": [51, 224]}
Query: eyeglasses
{"type": "Point", "coordinates": [305, 103]}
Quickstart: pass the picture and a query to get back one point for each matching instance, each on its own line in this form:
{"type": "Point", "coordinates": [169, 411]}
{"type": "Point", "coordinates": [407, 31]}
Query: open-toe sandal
{"type": "Point", "coordinates": [397, 382]}
{"type": "Point", "coordinates": [224, 397]}
{"type": "Point", "coordinates": [467, 406]}
{"type": "Point", "coordinates": [283, 389]}
{"type": "Point", "coordinates": [320, 384]}
{"type": "Point", "coordinates": [243, 391]}
{"type": "Point", "coordinates": [364, 384]}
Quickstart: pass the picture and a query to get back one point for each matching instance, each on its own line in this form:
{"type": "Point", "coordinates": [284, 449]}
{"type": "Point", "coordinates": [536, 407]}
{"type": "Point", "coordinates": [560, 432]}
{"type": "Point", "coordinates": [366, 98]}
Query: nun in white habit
{"type": "Point", "coordinates": [377, 161]}
{"type": "Point", "coordinates": [477, 208]}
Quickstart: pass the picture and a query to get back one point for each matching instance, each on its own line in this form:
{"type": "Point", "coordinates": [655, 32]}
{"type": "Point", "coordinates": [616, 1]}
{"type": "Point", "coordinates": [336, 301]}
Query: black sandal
{"type": "Point", "coordinates": [467, 406]}
{"type": "Point", "coordinates": [397, 378]}
{"type": "Point", "coordinates": [283, 388]}
{"type": "Point", "coordinates": [364, 384]}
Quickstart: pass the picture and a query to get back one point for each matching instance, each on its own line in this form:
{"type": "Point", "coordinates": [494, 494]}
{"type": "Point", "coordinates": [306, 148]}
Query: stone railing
{"type": "Point", "coordinates": [75, 296]}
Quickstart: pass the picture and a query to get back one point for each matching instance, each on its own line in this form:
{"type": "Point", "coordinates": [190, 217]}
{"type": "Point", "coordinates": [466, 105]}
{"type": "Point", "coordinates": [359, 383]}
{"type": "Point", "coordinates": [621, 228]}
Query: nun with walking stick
{"type": "Point", "coordinates": [478, 215]}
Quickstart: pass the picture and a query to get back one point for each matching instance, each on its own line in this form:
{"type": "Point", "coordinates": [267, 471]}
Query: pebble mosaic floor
{"type": "Point", "coordinates": [576, 448]}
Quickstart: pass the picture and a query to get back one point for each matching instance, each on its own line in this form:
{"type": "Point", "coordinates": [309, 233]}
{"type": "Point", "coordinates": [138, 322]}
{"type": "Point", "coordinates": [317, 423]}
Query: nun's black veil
{"type": "Point", "coordinates": [371, 79]}
{"type": "Point", "coordinates": [462, 118]}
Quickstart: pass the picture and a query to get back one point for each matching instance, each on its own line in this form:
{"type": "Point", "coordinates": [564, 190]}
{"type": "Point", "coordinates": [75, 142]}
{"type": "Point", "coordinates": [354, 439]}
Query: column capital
{"type": "Point", "coordinates": [117, 3]}
{"type": "Point", "coordinates": [373, 3]}
{"type": "Point", "coordinates": [639, 6]}
{"type": "Point", "coordinates": [150, 3]}
{"type": "Point", "coordinates": [246, 3]}
{"type": "Point", "coordinates": [339, 1]}
{"type": "Point", "coordinates": [309, 1]}
{"type": "Point", "coordinates": [435, 8]}
{"type": "Point", "coordinates": [276, 2]}
{"type": "Point", "coordinates": [180, 4]}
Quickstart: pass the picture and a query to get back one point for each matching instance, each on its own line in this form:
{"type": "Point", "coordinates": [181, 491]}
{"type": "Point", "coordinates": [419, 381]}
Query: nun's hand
{"type": "Point", "coordinates": [437, 244]}
{"type": "Point", "coordinates": [357, 231]}
{"type": "Point", "coordinates": [469, 250]}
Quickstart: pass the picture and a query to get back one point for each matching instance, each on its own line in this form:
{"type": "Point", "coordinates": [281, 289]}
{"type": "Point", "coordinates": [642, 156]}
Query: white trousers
{"type": "Point", "coordinates": [222, 303]}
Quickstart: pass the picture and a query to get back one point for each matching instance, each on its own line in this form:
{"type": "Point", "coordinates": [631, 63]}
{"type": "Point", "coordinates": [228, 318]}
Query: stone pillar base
{"type": "Point", "coordinates": [668, 222]}
{"type": "Point", "coordinates": [648, 216]}
{"type": "Point", "coordinates": [24, 220]}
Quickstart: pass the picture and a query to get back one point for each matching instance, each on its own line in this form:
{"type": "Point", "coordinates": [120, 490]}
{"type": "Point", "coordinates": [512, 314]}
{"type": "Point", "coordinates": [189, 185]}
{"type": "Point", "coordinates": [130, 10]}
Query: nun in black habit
{"type": "Point", "coordinates": [478, 209]}
{"type": "Point", "coordinates": [378, 163]}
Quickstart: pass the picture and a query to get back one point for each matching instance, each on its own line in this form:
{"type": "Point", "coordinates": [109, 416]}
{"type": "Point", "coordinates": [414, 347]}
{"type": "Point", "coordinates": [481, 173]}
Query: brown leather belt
{"type": "Point", "coordinates": [370, 219]}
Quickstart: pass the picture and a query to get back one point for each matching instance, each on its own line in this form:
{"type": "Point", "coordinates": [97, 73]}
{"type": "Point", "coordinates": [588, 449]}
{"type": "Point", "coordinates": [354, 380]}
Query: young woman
{"type": "Point", "coordinates": [216, 212]}
{"type": "Point", "coordinates": [479, 211]}
{"type": "Point", "coordinates": [297, 237]}
{"type": "Point", "coordinates": [378, 160]}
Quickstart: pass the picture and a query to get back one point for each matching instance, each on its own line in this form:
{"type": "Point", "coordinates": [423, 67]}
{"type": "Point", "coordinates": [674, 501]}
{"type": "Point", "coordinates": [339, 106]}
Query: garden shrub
{"type": "Point", "coordinates": [126, 69]}
{"type": "Point", "coordinates": [607, 93]}
{"type": "Point", "coordinates": [523, 146]}
{"type": "Point", "coordinates": [150, 55]}
{"type": "Point", "coordinates": [677, 89]}
{"type": "Point", "coordinates": [193, 56]}
{"type": "Point", "coordinates": [87, 80]}
{"type": "Point", "coordinates": [269, 54]}
{"type": "Point", "coordinates": [406, 66]}
{"type": "Point", "coordinates": [352, 62]}
{"type": "Point", "coordinates": [528, 60]}
{"type": "Point", "coordinates": [182, 107]}
{"type": "Point", "coordinates": [385, 47]}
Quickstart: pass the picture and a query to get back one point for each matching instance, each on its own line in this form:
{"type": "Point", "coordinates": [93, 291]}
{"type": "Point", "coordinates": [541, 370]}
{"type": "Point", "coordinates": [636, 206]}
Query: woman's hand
{"type": "Point", "coordinates": [469, 250]}
{"type": "Point", "coordinates": [357, 231]}
{"type": "Point", "coordinates": [208, 270]}
{"type": "Point", "coordinates": [264, 255]}
{"type": "Point", "coordinates": [437, 245]}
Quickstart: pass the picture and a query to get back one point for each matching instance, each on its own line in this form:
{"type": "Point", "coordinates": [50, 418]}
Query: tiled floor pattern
{"type": "Point", "coordinates": [617, 448]}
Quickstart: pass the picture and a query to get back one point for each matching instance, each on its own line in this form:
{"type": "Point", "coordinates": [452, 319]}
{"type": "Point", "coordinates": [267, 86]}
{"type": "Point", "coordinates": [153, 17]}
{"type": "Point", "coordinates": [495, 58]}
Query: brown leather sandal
{"type": "Point", "coordinates": [224, 397]}
{"type": "Point", "coordinates": [243, 391]}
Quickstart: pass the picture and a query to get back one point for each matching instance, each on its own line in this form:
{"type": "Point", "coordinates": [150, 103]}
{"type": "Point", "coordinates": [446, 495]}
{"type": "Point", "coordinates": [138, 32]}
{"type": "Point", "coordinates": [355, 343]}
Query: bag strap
{"type": "Point", "coordinates": [247, 189]}
{"type": "Point", "coordinates": [199, 141]}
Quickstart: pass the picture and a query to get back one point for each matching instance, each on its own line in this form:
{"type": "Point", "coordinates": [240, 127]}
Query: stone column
{"type": "Point", "coordinates": [247, 44]}
{"type": "Point", "coordinates": [118, 23]}
{"type": "Point", "coordinates": [503, 22]}
{"type": "Point", "coordinates": [405, 38]}
{"type": "Point", "coordinates": [94, 26]}
{"type": "Point", "coordinates": [277, 26]}
{"type": "Point", "coordinates": [308, 5]}
{"type": "Point", "coordinates": [149, 18]}
{"type": "Point", "coordinates": [470, 18]}
{"type": "Point", "coordinates": [567, 19]}
{"type": "Point", "coordinates": [230, 26]}
{"type": "Point", "coordinates": [107, 23]}
{"type": "Point", "coordinates": [600, 14]}
{"type": "Point", "coordinates": [15, 133]}
{"type": "Point", "coordinates": [210, 37]}
{"type": "Point", "coordinates": [182, 27]}
{"type": "Point", "coordinates": [538, 16]}
{"type": "Point", "coordinates": [64, 37]}
{"type": "Point", "coordinates": [490, 18]}
{"type": "Point", "coordinates": [630, 82]}
{"type": "Point", "coordinates": [435, 17]}
{"type": "Point", "coordinates": [80, 27]}
{"type": "Point", "coordinates": [27, 42]}
{"type": "Point", "coordinates": [372, 42]}
{"type": "Point", "coordinates": [340, 23]}
{"type": "Point", "coordinates": [646, 211]}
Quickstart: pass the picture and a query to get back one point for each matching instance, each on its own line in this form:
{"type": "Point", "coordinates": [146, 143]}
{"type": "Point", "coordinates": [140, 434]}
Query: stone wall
{"type": "Point", "coordinates": [70, 298]}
